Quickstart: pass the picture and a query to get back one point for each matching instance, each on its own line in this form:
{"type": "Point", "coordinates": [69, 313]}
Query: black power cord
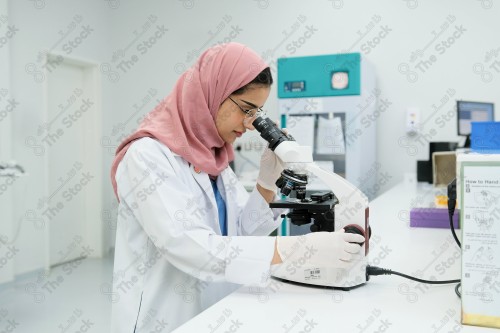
{"type": "Point", "coordinates": [452, 200]}
{"type": "Point", "coordinates": [373, 270]}
{"type": "Point", "coordinates": [459, 294]}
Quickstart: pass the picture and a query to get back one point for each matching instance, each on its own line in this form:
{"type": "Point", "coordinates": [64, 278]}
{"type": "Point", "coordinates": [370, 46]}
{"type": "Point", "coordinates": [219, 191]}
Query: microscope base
{"type": "Point", "coordinates": [339, 278]}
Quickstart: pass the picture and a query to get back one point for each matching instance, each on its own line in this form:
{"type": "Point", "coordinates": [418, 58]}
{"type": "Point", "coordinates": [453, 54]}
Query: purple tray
{"type": "Point", "coordinates": [432, 218]}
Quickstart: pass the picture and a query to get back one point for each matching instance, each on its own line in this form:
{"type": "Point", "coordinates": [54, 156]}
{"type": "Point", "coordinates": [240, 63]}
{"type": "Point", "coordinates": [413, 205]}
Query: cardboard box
{"type": "Point", "coordinates": [444, 166]}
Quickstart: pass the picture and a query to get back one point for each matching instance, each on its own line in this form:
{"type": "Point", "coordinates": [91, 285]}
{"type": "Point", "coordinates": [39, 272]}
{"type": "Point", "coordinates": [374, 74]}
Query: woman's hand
{"type": "Point", "coordinates": [337, 249]}
{"type": "Point", "coordinates": [270, 170]}
{"type": "Point", "coordinates": [268, 195]}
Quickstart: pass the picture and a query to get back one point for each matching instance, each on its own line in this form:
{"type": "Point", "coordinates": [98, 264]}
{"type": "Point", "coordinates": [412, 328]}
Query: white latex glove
{"type": "Point", "coordinates": [270, 170]}
{"type": "Point", "coordinates": [322, 249]}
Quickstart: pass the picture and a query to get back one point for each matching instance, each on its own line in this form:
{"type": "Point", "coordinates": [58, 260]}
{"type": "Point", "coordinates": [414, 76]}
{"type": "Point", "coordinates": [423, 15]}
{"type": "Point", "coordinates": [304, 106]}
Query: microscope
{"type": "Point", "coordinates": [343, 207]}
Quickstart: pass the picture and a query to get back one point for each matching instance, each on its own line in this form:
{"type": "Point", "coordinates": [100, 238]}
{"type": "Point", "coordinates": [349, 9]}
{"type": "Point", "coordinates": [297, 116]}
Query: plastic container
{"type": "Point", "coordinates": [433, 218]}
{"type": "Point", "coordinates": [485, 136]}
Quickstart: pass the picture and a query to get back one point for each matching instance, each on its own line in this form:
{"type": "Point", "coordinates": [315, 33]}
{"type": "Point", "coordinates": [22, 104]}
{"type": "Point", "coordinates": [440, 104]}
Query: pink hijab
{"type": "Point", "coordinates": [185, 120]}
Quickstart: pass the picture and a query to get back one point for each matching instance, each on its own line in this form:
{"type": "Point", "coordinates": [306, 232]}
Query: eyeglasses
{"type": "Point", "coordinates": [250, 113]}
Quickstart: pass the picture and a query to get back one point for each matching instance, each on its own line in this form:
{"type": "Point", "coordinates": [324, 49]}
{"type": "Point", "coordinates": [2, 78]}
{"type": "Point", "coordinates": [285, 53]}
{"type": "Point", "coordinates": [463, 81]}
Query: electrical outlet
{"type": "Point", "coordinates": [412, 120]}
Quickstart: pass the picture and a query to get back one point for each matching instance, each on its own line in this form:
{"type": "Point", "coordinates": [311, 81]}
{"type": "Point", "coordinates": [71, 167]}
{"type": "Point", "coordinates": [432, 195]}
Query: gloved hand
{"type": "Point", "coordinates": [270, 170]}
{"type": "Point", "coordinates": [322, 249]}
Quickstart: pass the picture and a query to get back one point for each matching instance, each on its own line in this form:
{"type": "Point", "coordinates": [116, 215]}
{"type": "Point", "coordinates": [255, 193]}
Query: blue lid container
{"type": "Point", "coordinates": [485, 136]}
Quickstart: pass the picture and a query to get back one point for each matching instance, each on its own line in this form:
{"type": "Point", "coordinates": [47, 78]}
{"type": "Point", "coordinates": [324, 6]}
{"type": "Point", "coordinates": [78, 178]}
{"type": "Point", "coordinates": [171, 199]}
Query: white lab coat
{"type": "Point", "coordinates": [171, 261]}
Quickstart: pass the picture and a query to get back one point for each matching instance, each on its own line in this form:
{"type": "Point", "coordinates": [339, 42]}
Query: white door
{"type": "Point", "coordinates": [74, 163]}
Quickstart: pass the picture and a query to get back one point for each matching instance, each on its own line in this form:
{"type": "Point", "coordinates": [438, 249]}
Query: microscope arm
{"type": "Point", "coordinates": [348, 194]}
{"type": "Point", "coordinates": [353, 204]}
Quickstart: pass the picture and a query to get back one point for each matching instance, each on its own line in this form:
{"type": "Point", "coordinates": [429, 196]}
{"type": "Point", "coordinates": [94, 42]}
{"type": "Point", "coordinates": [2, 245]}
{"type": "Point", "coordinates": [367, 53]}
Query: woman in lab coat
{"type": "Point", "coordinates": [188, 233]}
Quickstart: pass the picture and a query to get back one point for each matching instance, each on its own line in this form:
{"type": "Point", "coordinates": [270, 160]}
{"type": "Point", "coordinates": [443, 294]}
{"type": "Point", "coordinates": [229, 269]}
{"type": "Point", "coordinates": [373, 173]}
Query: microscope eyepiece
{"type": "Point", "coordinates": [270, 132]}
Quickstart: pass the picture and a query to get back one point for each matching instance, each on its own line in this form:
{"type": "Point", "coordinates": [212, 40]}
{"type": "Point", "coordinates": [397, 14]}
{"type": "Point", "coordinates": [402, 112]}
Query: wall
{"type": "Point", "coordinates": [6, 183]}
{"type": "Point", "coordinates": [387, 33]}
{"type": "Point", "coordinates": [44, 26]}
{"type": "Point", "coordinates": [144, 46]}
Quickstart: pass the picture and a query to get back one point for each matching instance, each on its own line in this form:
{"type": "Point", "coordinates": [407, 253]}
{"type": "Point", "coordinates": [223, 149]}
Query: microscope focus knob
{"type": "Point", "coordinates": [355, 229]}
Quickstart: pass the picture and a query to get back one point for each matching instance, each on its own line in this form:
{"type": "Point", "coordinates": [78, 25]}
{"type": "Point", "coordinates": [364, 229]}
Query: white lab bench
{"type": "Point", "coordinates": [383, 304]}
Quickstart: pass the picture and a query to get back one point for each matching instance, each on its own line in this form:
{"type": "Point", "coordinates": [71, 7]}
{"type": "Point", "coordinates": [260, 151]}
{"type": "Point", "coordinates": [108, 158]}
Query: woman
{"type": "Point", "coordinates": [188, 233]}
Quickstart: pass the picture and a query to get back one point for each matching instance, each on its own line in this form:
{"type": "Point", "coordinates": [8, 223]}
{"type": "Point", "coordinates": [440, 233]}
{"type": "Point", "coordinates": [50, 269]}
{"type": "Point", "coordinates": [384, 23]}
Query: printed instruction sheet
{"type": "Point", "coordinates": [480, 214]}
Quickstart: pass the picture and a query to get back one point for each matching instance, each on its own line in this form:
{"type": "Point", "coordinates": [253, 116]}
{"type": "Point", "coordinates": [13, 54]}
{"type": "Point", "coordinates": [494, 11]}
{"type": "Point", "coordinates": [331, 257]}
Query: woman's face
{"type": "Point", "coordinates": [231, 121]}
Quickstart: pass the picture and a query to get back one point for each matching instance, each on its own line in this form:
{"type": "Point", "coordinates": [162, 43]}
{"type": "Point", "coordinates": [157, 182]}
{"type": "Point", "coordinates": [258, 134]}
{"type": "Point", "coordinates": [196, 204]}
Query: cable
{"type": "Point", "coordinates": [452, 201]}
{"type": "Point", "coordinates": [459, 294]}
{"type": "Point", "coordinates": [374, 270]}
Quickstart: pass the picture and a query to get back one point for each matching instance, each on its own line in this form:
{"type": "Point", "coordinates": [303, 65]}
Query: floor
{"type": "Point", "coordinates": [74, 297]}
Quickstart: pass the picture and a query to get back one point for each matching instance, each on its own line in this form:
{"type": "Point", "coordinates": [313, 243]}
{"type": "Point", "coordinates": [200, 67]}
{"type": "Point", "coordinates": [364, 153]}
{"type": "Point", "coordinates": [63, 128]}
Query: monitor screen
{"type": "Point", "coordinates": [468, 112]}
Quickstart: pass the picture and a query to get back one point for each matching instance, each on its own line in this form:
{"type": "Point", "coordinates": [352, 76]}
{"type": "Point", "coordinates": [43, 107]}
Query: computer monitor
{"type": "Point", "coordinates": [467, 112]}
